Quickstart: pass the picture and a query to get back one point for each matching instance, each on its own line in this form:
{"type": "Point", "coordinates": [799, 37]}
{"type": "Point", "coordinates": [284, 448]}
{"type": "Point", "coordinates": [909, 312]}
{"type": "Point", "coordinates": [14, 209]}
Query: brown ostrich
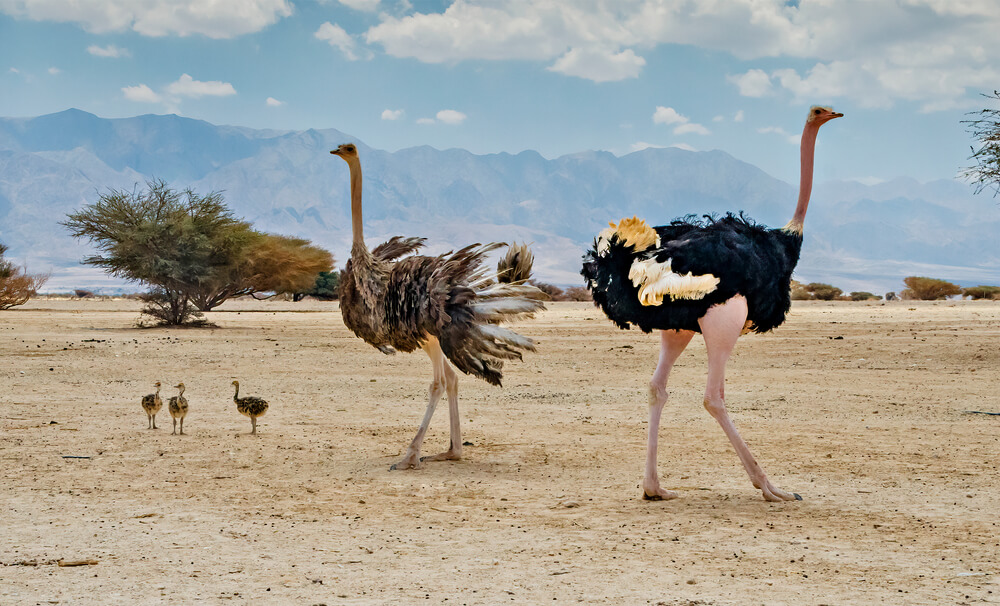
{"type": "Point", "coordinates": [250, 406]}
{"type": "Point", "coordinates": [178, 407]}
{"type": "Point", "coordinates": [450, 306]}
{"type": "Point", "coordinates": [720, 277]}
{"type": "Point", "coordinates": [152, 404]}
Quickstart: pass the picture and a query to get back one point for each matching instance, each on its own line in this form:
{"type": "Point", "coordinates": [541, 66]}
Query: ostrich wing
{"type": "Point", "coordinates": [397, 247]}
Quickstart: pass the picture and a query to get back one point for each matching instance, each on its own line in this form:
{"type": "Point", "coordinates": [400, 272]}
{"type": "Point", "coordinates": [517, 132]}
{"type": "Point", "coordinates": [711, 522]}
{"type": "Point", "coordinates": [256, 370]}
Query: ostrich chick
{"type": "Point", "coordinates": [250, 406]}
{"type": "Point", "coordinates": [152, 404]}
{"type": "Point", "coordinates": [178, 406]}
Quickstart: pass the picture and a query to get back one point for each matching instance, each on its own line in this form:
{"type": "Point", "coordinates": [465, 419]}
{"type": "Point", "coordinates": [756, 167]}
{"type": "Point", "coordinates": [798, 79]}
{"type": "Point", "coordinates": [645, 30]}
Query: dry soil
{"type": "Point", "coordinates": [860, 408]}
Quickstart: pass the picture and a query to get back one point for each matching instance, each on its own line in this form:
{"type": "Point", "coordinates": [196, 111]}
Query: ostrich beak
{"type": "Point", "coordinates": [335, 152]}
{"type": "Point", "coordinates": [838, 115]}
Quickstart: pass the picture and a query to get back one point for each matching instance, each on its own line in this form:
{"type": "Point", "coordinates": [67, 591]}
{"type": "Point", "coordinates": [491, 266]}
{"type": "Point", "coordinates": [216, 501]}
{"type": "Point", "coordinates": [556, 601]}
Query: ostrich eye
{"type": "Point", "coordinates": [816, 112]}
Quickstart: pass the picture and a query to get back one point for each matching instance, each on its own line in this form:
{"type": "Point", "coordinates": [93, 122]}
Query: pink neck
{"type": "Point", "coordinates": [807, 154]}
{"type": "Point", "coordinates": [359, 236]}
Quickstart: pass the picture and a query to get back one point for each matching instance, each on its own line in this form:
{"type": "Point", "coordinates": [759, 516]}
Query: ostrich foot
{"type": "Point", "coordinates": [452, 454]}
{"type": "Point", "coordinates": [775, 494]}
{"type": "Point", "coordinates": [651, 491]}
{"type": "Point", "coordinates": [411, 460]}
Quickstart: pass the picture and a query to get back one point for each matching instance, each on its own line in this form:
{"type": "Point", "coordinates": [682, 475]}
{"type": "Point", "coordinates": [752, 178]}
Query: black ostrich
{"type": "Point", "coordinates": [450, 306]}
{"type": "Point", "coordinates": [720, 277]}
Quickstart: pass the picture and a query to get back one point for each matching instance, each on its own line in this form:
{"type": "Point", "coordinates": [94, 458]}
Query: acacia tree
{"type": "Point", "coordinates": [16, 286]}
{"type": "Point", "coordinates": [928, 289]}
{"type": "Point", "coordinates": [269, 264]}
{"type": "Point", "coordinates": [190, 249]}
{"type": "Point", "coordinates": [985, 128]}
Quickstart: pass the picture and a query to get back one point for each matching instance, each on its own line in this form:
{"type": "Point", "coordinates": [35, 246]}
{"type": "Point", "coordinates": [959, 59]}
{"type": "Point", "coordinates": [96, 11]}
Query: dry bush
{"type": "Point", "coordinates": [863, 295]}
{"type": "Point", "coordinates": [928, 289]}
{"type": "Point", "coordinates": [982, 292]}
{"type": "Point", "coordinates": [16, 285]}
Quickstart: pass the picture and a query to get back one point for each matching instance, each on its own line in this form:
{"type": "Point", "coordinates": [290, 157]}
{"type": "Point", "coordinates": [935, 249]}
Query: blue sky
{"type": "Point", "coordinates": [557, 76]}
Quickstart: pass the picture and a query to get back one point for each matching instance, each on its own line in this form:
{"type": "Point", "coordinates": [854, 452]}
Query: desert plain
{"type": "Point", "coordinates": [858, 407]}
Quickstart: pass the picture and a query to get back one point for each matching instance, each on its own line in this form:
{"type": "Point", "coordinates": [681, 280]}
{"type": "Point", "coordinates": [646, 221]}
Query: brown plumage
{"type": "Point", "coordinates": [250, 406]}
{"type": "Point", "coordinates": [152, 404]}
{"type": "Point", "coordinates": [178, 407]}
{"type": "Point", "coordinates": [450, 305]}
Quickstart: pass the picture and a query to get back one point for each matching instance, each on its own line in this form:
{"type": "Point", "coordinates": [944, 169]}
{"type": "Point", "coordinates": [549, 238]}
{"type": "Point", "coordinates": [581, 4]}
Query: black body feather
{"type": "Point", "coordinates": [749, 259]}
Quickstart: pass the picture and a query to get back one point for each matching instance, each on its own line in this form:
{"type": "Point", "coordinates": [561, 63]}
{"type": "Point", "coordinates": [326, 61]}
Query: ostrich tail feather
{"type": "Point", "coordinates": [474, 340]}
{"type": "Point", "coordinates": [515, 267]}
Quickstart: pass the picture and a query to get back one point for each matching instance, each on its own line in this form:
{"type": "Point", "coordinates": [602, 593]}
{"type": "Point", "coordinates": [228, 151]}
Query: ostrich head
{"type": "Point", "coordinates": [179, 386]}
{"type": "Point", "coordinates": [236, 384]}
{"type": "Point", "coordinates": [347, 151]}
{"type": "Point", "coordinates": [157, 384]}
{"type": "Point", "coordinates": [821, 115]}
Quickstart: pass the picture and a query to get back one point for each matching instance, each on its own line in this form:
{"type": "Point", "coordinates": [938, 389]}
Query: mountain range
{"type": "Point", "coordinates": [858, 236]}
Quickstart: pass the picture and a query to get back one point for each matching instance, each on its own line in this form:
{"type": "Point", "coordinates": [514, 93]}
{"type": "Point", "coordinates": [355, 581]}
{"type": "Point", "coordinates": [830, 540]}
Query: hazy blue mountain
{"type": "Point", "coordinates": [858, 236]}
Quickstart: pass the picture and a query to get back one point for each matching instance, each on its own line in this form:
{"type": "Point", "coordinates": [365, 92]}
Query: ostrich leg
{"type": "Point", "coordinates": [721, 327]}
{"type": "Point", "coordinates": [454, 452]}
{"type": "Point", "coordinates": [672, 344]}
{"type": "Point", "coordinates": [411, 459]}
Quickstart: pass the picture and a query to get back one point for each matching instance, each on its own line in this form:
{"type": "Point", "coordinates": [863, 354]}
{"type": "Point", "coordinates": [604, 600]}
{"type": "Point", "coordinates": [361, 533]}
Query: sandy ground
{"type": "Point", "coordinates": [857, 407]}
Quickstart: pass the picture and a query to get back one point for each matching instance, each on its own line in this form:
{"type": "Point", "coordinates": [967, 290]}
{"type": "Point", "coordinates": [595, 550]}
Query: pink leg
{"type": "Point", "coordinates": [454, 452]}
{"type": "Point", "coordinates": [411, 458]}
{"type": "Point", "coordinates": [672, 343]}
{"type": "Point", "coordinates": [721, 327]}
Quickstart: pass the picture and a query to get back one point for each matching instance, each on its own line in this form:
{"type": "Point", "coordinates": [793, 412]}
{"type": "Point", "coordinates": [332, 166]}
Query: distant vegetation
{"type": "Point", "coordinates": [928, 289]}
{"type": "Point", "coordinates": [16, 286]}
{"type": "Point", "coordinates": [985, 128]}
{"type": "Point", "coordinates": [815, 291]}
{"type": "Point", "coordinates": [325, 288]}
{"type": "Point", "coordinates": [863, 295]}
{"type": "Point", "coordinates": [573, 293]}
{"type": "Point", "coordinates": [191, 251]}
{"type": "Point", "coordinates": [982, 292]}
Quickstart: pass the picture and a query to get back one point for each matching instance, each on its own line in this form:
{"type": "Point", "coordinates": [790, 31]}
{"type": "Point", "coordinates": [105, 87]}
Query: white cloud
{"type": "Point", "coordinates": [272, 102]}
{"type": "Point", "coordinates": [425, 120]}
{"type": "Point", "coordinates": [14, 70]}
{"type": "Point", "coordinates": [367, 6]}
{"type": "Point", "coordinates": [110, 51]}
{"type": "Point", "coordinates": [141, 94]}
{"type": "Point", "coordinates": [691, 127]}
{"type": "Point", "coordinates": [777, 130]}
{"type": "Point", "coordinates": [599, 65]}
{"type": "Point", "coordinates": [215, 19]}
{"type": "Point", "coordinates": [54, 71]}
{"type": "Point", "coordinates": [392, 114]}
{"type": "Point", "coordinates": [186, 86]}
{"type": "Point", "coordinates": [754, 83]}
{"type": "Point", "coordinates": [668, 115]}
{"type": "Point", "coordinates": [938, 53]}
{"type": "Point", "coordinates": [450, 116]}
{"type": "Point", "coordinates": [683, 146]}
{"type": "Point", "coordinates": [718, 118]}
{"type": "Point", "coordinates": [738, 116]}
{"type": "Point", "coordinates": [335, 36]}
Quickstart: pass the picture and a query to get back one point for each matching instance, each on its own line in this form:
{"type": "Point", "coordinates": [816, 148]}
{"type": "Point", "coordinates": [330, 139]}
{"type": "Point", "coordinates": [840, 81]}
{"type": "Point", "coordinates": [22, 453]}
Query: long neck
{"type": "Point", "coordinates": [807, 154]}
{"type": "Point", "coordinates": [356, 224]}
{"type": "Point", "coordinates": [237, 394]}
